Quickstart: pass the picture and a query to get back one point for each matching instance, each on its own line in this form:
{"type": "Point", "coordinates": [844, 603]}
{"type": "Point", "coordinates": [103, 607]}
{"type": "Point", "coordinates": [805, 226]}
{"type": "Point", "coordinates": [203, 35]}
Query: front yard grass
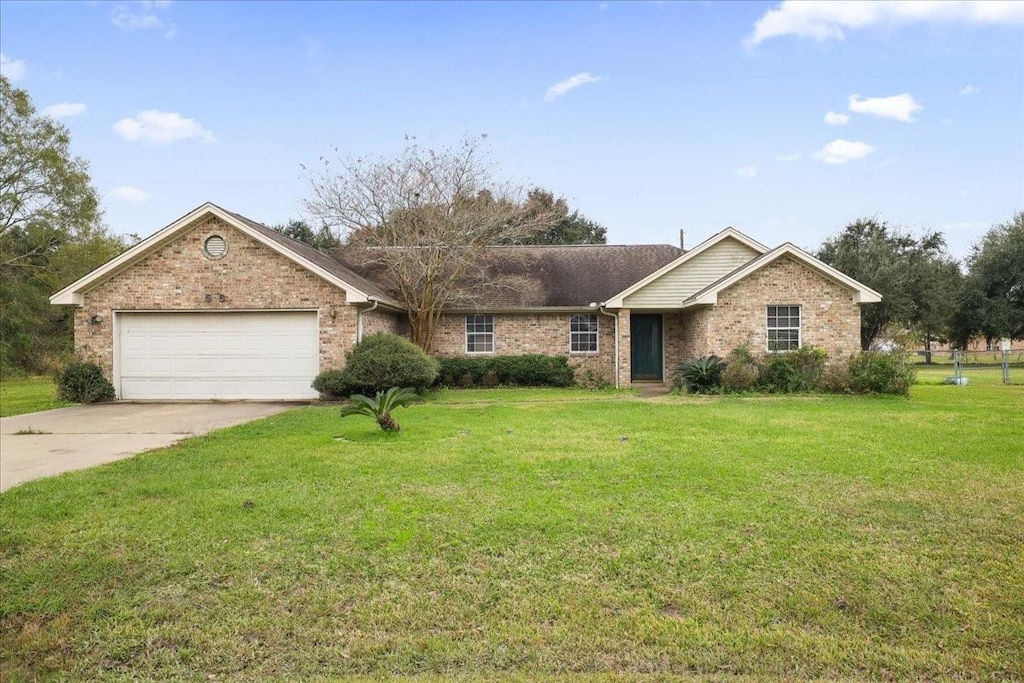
{"type": "Point", "coordinates": [550, 535]}
{"type": "Point", "coordinates": [27, 395]}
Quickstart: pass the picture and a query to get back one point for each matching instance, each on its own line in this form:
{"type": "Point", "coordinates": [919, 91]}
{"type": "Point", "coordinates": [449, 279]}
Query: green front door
{"type": "Point", "coordinates": [645, 333]}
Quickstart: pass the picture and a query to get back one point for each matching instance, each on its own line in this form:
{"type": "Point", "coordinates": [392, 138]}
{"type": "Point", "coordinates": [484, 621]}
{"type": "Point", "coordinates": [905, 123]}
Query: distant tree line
{"type": "Point", "coordinates": [924, 290]}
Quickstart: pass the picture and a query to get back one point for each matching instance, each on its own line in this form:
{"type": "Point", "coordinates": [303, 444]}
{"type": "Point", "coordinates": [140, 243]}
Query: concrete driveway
{"type": "Point", "coordinates": [54, 441]}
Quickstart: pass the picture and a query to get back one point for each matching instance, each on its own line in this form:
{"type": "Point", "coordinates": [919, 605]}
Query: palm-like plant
{"type": "Point", "coordinates": [700, 375]}
{"type": "Point", "coordinates": [380, 406]}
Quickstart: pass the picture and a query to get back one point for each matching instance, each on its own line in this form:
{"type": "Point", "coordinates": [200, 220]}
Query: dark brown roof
{"type": "Point", "coordinates": [540, 276]}
{"type": "Point", "coordinates": [516, 277]}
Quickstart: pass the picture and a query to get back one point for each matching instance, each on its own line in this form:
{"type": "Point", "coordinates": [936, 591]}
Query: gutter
{"type": "Point", "coordinates": [359, 317]}
{"type": "Point", "coordinates": [615, 317]}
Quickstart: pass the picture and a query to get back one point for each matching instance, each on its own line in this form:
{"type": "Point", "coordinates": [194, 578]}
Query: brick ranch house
{"type": "Point", "coordinates": [218, 306]}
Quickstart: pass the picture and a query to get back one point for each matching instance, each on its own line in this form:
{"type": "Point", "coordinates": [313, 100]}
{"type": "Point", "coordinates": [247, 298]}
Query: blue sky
{"type": "Point", "coordinates": [786, 121]}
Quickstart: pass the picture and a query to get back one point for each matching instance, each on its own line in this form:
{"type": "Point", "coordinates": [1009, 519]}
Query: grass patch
{"type": "Point", "coordinates": [28, 395]}
{"type": "Point", "coordinates": [568, 535]}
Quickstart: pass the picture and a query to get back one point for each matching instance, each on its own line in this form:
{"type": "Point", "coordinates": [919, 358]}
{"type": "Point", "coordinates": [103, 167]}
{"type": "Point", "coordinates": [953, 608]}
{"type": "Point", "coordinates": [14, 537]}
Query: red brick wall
{"type": "Point", "coordinates": [829, 319]}
{"type": "Point", "coordinates": [178, 276]}
{"type": "Point", "coordinates": [545, 333]}
{"type": "Point", "coordinates": [384, 321]}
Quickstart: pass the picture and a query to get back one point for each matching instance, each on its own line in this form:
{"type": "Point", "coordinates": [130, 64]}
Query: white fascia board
{"type": "Point", "coordinates": [72, 294]}
{"type": "Point", "coordinates": [862, 293]}
{"type": "Point", "coordinates": [617, 300]}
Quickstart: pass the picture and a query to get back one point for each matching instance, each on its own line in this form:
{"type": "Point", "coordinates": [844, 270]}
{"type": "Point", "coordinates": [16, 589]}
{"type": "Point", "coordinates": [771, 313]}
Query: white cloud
{"type": "Point", "coordinates": [129, 194]}
{"type": "Point", "coordinates": [126, 20]}
{"type": "Point", "coordinates": [970, 90]}
{"type": "Point", "coordinates": [789, 158]}
{"type": "Point", "coordinates": [837, 118]}
{"type": "Point", "coordinates": [64, 110]}
{"type": "Point", "coordinates": [840, 151]}
{"type": "Point", "coordinates": [746, 172]}
{"type": "Point", "coordinates": [161, 128]}
{"type": "Point", "coordinates": [898, 107]}
{"type": "Point", "coordinates": [141, 16]}
{"type": "Point", "coordinates": [571, 83]}
{"type": "Point", "coordinates": [822, 20]}
{"type": "Point", "coordinates": [13, 69]}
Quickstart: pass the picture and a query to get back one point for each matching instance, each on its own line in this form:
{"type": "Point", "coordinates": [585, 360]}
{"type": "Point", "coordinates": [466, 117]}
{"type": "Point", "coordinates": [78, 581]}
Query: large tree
{"type": "Point", "coordinates": [322, 239]}
{"type": "Point", "coordinates": [992, 300]}
{"type": "Point", "coordinates": [566, 228]}
{"type": "Point", "coordinates": [915, 276]}
{"type": "Point", "coordinates": [427, 218]}
{"type": "Point", "coordinates": [50, 232]}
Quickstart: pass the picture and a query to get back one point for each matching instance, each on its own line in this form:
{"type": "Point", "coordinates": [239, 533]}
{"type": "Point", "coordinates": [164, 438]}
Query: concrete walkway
{"type": "Point", "coordinates": [55, 441]}
{"type": "Point", "coordinates": [652, 390]}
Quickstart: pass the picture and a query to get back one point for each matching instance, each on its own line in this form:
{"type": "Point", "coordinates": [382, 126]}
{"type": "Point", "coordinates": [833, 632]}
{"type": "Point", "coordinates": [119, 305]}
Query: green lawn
{"type": "Point", "coordinates": [540, 534]}
{"type": "Point", "coordinates": [27, 395]}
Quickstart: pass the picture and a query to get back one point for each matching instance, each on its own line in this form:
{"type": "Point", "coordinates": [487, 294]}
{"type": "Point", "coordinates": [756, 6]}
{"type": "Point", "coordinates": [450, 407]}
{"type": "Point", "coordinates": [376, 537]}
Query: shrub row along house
{"type": "Point", "coordinates": [219, 306]}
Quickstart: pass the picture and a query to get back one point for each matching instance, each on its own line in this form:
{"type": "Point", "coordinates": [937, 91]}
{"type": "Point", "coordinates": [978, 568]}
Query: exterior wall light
{"type": "Point", "coordinates": [96, 319]}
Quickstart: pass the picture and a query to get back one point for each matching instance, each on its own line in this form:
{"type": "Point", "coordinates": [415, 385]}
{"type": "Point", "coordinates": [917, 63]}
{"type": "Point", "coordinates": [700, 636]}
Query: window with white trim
{"type": "Point", "coordinates": [783, 328]}
{"type": "Point", "coordinates": [583, 333]}
{"type": "Point", "coordinates": [479, 333]}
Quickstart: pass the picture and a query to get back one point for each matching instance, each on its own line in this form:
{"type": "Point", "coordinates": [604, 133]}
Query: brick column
{"type": "Point", "coordinates": [625, 355]}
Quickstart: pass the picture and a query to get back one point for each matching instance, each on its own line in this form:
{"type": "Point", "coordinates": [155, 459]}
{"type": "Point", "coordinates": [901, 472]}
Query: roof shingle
{"type": "Point", "coordinates": [544, 276]}
{"type": "Point", "coordinates": [569, 276]}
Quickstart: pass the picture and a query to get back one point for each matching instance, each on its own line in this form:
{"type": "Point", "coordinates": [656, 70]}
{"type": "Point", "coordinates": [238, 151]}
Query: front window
{"type": "Point", "coordinates": [783, 328]}
{"type": "Point", "coordinates": [583, 333]}
{"type": "Point", "coordinates": [479, 333]}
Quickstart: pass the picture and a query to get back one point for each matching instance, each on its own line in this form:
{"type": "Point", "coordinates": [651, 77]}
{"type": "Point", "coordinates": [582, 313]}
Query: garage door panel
{"type": "Point", "coordinates": [250, 355]}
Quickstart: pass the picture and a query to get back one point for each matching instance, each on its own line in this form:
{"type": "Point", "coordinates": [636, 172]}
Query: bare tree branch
{"type": "Point", "coordinates": [427, 220]}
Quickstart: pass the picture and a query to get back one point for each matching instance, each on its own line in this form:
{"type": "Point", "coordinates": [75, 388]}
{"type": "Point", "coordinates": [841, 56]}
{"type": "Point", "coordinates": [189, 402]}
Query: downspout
{"type": "Point", "coordinates": [614, 317]}
{"type": "Point", "coordinates": [359, 318]}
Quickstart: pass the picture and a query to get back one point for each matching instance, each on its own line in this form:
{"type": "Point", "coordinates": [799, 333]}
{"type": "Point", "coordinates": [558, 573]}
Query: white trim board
{"type": "Point", "coordinates": [73, 293]}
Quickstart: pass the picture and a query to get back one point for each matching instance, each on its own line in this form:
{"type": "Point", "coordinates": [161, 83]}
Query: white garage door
{"type": "Point", "coordinates": [258, 355]}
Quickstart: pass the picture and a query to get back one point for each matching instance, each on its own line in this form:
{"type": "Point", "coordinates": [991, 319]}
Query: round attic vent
{"type": "Point", "coordinates": [215, 246]}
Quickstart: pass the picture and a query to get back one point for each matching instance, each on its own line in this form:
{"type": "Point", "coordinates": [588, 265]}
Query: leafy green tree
{"type": "Point", "coordinates": [915, 276]}
{"type": "Point", "coordinates": [45, 192]}
{"type": "Point", "coordinates": [992, 300]}
{"type": "Point", "coordinates": [567, 228]}
{"type": "Point", "coordinates": [322, 239]}
{"type": "Point", "coordinates": [50, 233]}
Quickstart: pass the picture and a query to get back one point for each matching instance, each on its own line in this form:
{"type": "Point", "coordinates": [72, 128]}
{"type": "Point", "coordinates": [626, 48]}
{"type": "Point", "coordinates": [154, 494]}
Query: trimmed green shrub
{"type": "Point", "coordinates": [741, 371]}
{"type": "Point", "coordinates": [699, 375]}
{"type": "Point", "coordinates": [793, 371]}
{"type": "Point", "coordinates": [377, 363]}
{"type": "Point", "coordinates": [740, 376]}
{"type": "Point", "coordinates": [381, 361]}
{"type": "Point", "coordinates": [528, 370]}
{"type": "Point", "coordinates": [333, 385]}
{"type": "Point", "coordinates": [836, 379]}
{"type": "Point", "coordinates": [877, 372]}
{"type": "Point", "coordinates": [83, 383]}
